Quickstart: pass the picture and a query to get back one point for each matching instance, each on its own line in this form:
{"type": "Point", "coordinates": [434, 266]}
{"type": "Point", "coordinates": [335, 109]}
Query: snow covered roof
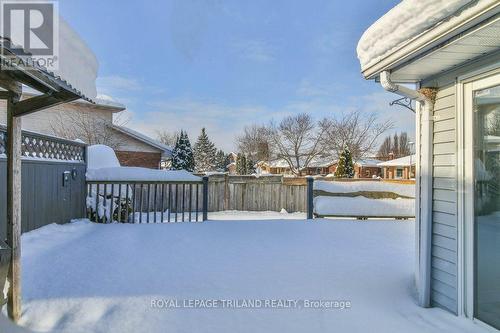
{"type": "Point", "coordinates": [424, 28]}
{"type": "Point", "coordinates": [144, 138]}
{"type": "Point", "coordinates": [77, 64]}
{"type": "Point", "coordinates": [315, 163]}
{"type": "Point", "coordinates": [368, 162]}
{"type": "Point", "coordinates": [405, 21]}
{"type": "Point", "coordinates": [402, 161]}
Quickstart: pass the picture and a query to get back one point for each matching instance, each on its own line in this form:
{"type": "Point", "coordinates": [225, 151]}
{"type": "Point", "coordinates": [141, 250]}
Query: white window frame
{"type": "Point", "coordinates": [478, 80]}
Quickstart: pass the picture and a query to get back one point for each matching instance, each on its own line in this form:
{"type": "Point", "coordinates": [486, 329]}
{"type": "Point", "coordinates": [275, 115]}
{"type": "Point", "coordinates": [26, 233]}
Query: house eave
{"type": "Point", "coordinates": [431, 40]}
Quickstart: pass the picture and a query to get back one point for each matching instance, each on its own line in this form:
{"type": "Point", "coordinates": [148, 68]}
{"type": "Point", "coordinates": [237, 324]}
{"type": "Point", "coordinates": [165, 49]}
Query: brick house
{"type": "Point", "coordinates": [140, 150]}
{"type": "Point", "coordinates": [399, 168]}
{"type": "Point", "coordinates": [367, 168]}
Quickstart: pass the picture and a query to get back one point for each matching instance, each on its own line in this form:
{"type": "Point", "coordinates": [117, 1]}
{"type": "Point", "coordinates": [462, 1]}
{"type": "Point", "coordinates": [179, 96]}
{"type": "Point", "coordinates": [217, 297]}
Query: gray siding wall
{"type": "Point", "coordinates": [444, 283]}
{"type": "Point", "coordinates": [444, 205]}
{"type": "Point", "coordinates": [44, 199]}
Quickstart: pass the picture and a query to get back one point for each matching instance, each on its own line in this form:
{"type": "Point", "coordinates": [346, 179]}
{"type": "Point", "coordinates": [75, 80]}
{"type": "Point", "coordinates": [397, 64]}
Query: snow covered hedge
{"type": "Point", "coordinates": [364, 199]}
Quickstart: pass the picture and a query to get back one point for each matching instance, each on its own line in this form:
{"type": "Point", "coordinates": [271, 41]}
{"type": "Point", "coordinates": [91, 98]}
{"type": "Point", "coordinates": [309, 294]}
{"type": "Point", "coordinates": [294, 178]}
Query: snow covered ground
{"type": "Point", "coordinates": [84, 277]}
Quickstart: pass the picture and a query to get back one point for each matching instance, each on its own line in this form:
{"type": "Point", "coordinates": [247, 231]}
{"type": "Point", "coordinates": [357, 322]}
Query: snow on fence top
{"type": "Point", "coordinates": [401, 24]}
{"type": "Point", "coordinates": [140, 174]}
{"type": "Point", "coordinates": [407, 190]}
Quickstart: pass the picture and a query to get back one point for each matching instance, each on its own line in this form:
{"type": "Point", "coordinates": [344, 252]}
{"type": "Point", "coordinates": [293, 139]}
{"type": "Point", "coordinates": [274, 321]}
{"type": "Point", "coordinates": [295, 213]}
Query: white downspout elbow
{"type": "Point", "coordinates": [424, 182]}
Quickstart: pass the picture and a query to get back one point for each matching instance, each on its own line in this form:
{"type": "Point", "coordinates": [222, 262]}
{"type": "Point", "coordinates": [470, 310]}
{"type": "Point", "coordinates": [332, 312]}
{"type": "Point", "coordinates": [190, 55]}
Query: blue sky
{"type": "Point", "coordinates": [226, 64]}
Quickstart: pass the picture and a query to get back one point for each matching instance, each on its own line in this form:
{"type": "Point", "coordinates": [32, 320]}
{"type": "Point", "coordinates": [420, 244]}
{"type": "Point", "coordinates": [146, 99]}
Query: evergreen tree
{"type": "Point", "coordinates": [220, 161]}
{"type": "Point", "coordinates": [241, 164]}
{"type": "Point", "coordinates": [250, 168]}
{"type": "Point", "coordinates": [204, 153]}
{"type": "Point", "coordinates": [345, 167]}
{"type": "Point", "coordinates": [182, 155]}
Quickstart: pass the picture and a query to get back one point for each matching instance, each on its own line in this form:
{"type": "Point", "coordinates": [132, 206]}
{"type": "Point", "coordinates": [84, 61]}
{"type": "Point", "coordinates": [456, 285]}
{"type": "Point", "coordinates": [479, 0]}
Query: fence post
{"type": "Point", "coordinates": [205, 198]}
{"type": "Point", "coordinates": [310, 191]}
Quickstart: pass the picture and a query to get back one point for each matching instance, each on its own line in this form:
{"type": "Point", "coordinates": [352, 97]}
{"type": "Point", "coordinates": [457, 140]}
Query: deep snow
{"type": "Point", "coordinates": [84, 277]}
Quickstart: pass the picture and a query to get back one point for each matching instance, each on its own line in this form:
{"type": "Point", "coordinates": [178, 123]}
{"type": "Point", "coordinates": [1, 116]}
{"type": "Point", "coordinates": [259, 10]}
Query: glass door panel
{"type": "Point", "coordinates": [486, 106]}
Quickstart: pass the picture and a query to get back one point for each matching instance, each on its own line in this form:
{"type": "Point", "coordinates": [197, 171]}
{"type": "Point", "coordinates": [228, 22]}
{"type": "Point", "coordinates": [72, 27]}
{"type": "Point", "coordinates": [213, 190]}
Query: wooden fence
{"type": "Point", "coordinates": [254, 193]}
{"type": "Point", "coordinates": [53, 186]}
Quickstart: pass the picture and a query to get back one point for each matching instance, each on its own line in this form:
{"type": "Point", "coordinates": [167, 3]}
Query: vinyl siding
{"type": "Point", "coordinates": [444, 216]}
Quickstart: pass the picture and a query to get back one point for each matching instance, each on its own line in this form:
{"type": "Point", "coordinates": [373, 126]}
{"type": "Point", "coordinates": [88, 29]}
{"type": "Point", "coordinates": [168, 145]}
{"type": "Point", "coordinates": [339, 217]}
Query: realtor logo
{"type": "Point", "coordinates": [30, 29]}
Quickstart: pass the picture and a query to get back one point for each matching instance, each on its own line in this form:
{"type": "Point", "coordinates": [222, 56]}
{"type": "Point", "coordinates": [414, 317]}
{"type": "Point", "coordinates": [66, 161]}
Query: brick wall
{"type": "Point", "coordinates": [139, 159]}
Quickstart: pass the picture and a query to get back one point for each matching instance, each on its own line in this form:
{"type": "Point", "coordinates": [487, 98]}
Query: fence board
{"type": "Point", "coordinates": [44, 199]}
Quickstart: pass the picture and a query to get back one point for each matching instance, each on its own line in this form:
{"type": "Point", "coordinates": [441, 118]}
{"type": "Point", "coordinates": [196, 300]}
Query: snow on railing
{"type": "Point", "coordinates": [363, 199]}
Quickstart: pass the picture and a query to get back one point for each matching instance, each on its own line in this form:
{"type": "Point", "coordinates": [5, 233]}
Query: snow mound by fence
{"type": "Point", "coordinates": [364, 199]}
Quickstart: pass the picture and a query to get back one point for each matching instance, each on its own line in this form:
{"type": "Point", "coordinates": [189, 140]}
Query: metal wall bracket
{"type": "Point", "coordinates": [404, 102]}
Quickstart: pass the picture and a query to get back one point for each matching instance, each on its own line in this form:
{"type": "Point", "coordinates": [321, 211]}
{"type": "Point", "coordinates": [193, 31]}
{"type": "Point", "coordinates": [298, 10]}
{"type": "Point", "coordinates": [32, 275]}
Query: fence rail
{"type": "Point", "coordinates": [147, 201]}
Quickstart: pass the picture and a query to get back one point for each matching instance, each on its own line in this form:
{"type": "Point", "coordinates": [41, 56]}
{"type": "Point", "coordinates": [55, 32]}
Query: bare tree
{"type": "Point", "coordinates": [404, 145]}
{"type": "Point", "coordinates": [298, 140]}
{"type": "Point", "coordinates": [397, 146]}
{"type": "Point", "coordinates": [356, 130]}
{"type": "Point", "coordinates": [167, 138]}
{"type": "Point", "coordinates": [254, 142]}
{"type": "Point", "coordinates": [385, 149]}
{"type": "Point", "coordinates": [88, 126]}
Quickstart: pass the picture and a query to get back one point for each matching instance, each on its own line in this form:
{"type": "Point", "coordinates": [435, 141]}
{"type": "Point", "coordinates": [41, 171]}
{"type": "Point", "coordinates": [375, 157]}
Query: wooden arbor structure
{"type": "Point", "coordinates": [53, 91]}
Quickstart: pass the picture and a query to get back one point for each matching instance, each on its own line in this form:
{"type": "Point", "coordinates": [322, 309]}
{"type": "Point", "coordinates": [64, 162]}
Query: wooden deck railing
{"type": "Point", "coordinates": [147, 201]}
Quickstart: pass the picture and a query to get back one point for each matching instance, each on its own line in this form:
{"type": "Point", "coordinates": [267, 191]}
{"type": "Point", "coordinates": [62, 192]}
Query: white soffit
{"type": "Point", "coordinates": [480, 41]}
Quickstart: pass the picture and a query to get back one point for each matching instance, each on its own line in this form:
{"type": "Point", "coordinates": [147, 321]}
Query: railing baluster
{"type": "Point", "coordinates": [97, 204]}
{"type": "Point", "coordinates": [126, 203]}
{"type": "Point", "coordinates": [154, 202]}
{"type": "Point", "coordinates": [197, 202]}
{"type": "Point", "coordinates": [105, 203]}
{"type": "Point", "coordinates": [140, 203]}
{"type": "Point", "coordinates": [112, 203]}
{"type": "Point", "coordinates": [148, 205]}
{"type": "Point", "coordinates": [183, 200]}
{"type": "Point", "coordinates": [176, 201]}
{"type": "Point", "coordinates": [134, 202]}
{"type": "Point", "coordinates": [119, 203]}
{"type": "Point", "coordinates": [190, 200]}
{"type": "Point", "coordinates": [169, 202]}
{"type": "Point", "coordinates": [162, 203]}
{"type": "Point", "coordinates": [88, 210]}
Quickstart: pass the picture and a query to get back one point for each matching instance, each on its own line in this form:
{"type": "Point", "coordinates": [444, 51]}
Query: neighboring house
{"type": "Point", "coordinates": [367, 168]}
{"type": "Point", "coordinates": [133, 148]}
{"type": "Point", "coordinates": [316, 167]}
{"type": "Point", "coordinates": [137, 149]}
{"type": "Point", "coordinates": [451, 51]}
{"type": "Point", "coordinates": [274, 167]}
{"type": "Point", "coordinates": [399, 168]}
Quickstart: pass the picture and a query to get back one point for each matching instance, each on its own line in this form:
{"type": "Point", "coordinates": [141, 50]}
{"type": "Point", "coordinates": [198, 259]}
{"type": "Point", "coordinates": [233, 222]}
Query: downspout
{"type": "Point", "coordinates": [424, 178]}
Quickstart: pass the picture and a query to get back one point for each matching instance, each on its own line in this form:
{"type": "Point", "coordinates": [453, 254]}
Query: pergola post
{"type": "Point", "coordinates": [14, 142]}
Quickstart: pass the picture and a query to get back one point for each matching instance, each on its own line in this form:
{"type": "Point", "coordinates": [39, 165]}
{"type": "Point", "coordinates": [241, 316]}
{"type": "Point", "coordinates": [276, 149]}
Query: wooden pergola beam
{"type": "Point", "coordinates": [41, 102]}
